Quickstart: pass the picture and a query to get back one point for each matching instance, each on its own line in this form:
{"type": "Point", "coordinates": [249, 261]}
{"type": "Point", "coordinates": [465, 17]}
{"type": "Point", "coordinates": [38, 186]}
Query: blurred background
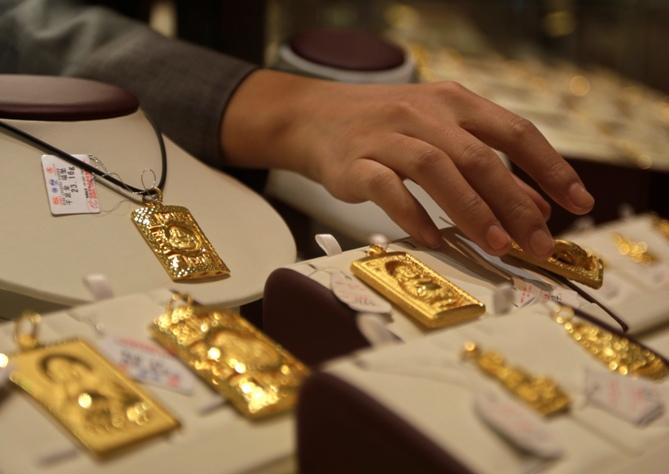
{"type": "Point", "coordinates": [591, 74]}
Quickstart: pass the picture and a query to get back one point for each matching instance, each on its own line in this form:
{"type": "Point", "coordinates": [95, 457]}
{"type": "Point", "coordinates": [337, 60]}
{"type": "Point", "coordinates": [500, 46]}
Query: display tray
{"type": "Point", "coordinates": [213, 437]}
{"type": "Point", "coordinates": [46, 257]}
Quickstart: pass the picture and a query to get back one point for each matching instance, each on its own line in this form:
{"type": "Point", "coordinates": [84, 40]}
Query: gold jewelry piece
{"type": "Point", "coordinates": [416, 289]}
{"type": "Point", "coordinates": [541, 393]}
{"type": "Point", "coordinates": [568, 260]}
{"type": "Point", "coordinates": [253, 372]}
{"type": "Point", "coordinates": [637, 250]}
{"type": "Point", "coordinates": [91, 398]}
{"type": "Point", "coordinates": [618, 353]}
{"type": "Point", "coordinates": [662, 225]}
{"type": "Point", "coordinates": [178, 242]}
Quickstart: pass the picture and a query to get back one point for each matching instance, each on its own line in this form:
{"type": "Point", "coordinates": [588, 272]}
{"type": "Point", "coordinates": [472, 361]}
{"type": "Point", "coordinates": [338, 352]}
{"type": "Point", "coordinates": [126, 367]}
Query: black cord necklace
{"type": "Point", "coordinates": [49, 148]}
{"type": "Point", "coordinates": [170, 231]}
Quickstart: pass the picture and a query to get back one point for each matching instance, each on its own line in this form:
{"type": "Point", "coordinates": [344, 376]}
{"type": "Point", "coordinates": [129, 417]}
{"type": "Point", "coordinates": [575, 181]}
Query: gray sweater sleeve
{"type": "Point", "coordinates": [184, 88]}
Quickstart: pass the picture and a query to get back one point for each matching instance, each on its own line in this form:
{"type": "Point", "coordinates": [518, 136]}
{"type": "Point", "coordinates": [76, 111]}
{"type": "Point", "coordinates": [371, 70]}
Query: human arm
{"type": "Point", "coordinates": [361, 141]}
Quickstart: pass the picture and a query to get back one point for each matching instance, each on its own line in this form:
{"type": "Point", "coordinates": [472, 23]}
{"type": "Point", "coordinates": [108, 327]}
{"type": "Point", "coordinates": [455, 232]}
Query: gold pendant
{"type": "Point", "coordinates": [541, 393]}
{"type": "Point", "coordinates": [91, 398]}
{"type": "Point", "coordinates": [635, 250]}
{"type": "Point", "coordinates": [662, 225]}
{"type": "Point", "coordinates": [617, 353]}
{"type": "Point", "coordinates": [178, 242]}
{"type": "Point", "coordinates": [253, 372]}
{"type": "Point", "coordinates": [416, 289]}
{"type": "Point", "coordinates": [568, 260]}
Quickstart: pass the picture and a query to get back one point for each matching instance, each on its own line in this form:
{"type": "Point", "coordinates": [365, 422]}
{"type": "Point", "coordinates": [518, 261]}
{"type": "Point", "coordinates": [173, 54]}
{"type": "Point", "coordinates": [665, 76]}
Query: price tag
{"type": "Point", "coordinates": [70, 189]}
{"type": "Point", "coordinates": [517, 424]}
{"type": "Point", "coordinates": [353, 293]}
{"type": "Point", "coordinates": [634, 400]}
{"type": "Point", "coordinates": [148, 363]}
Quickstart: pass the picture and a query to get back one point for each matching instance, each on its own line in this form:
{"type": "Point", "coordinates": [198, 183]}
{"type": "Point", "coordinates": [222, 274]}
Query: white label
{"type": "Point", "coordinates": [353, 293]}
{"type": "Point", "coordinates": [70, 189]}
{"type": "Point", "coordinates": [636, 401]}
{"type": "Point", "coordinates": [517, 424]}
{"type": "Point", "coordinates": [148, 363]}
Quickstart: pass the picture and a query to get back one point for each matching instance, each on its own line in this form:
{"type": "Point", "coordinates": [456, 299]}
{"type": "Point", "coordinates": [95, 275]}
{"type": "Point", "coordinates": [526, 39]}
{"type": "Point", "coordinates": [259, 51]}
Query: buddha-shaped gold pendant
{"type": "Point", "coordinates": [178, 242]}
{"type": "Point", "coordinates": [618, 353]}
{"type": "Point", "coordinates": [568, 260]}
{"type": "Point", "coordinates": [416, 289]}
{"type": "Point", "coordinates": [540, 393]}
{"type": "Point", "coordinates": [254, 373]}
{"type": "Point", "coordinates": [92, 399]}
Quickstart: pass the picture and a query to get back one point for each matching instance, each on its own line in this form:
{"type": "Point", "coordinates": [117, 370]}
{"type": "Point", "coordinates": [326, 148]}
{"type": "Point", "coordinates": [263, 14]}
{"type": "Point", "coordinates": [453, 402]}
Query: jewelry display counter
{"type": "Point", "coordinates": [213, 437]}
{"type": "Point", "coordinates": [424, 394]}
{"type": "Point", "coordinates": [46, 256]}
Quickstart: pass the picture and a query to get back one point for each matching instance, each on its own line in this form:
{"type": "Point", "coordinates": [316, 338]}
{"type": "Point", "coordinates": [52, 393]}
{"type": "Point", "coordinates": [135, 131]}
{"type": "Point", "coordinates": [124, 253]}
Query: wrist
{"type": "Point", "coordinates": [265, 121]}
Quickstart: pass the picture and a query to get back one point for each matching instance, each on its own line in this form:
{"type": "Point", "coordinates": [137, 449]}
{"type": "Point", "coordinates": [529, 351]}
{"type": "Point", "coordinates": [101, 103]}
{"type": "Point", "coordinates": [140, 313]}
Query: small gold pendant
{"type": "Point", "coordinates": [617, 353]}
{"type": "Point", "coordinates": [541, 393]}
{"type": "Point", "coordinates": [662, 225]}
{"type": "Point", "coordinates": [568, 260]}
{"type": "Point", "coordinates": [416, 289]}
{"type": "Point", "coordinates": [637, 250]}
{"type": "Point", "coordinates": [91, 398]}
{"type": "Point", "coordinates": [178, 242]}
{"type": "Point", "coordinates": [254, 373]}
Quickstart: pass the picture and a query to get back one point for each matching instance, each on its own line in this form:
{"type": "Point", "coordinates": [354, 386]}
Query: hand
{"type": "Point", "coordinates": [362, 141]}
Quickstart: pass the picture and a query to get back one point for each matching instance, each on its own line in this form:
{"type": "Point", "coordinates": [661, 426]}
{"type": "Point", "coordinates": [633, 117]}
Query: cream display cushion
{"type": "Point", "coordinates": [217, 440]}
{"type": "Point", "coordinates": [45, 257]}
{"type": "Point", "coordinates": [426, 383]}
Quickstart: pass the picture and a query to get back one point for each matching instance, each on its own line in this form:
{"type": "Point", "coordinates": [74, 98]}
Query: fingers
{"type": "Point", "coordinates": [544, 207]}
{"type": "Point", "coordinates": [373, 181]}
{"type": "Point", "coordinates": [529, 149]}
{"type": "Point", "coordinates": [437, 174]}
{"type": "Point", "coordinates": [483, 169]}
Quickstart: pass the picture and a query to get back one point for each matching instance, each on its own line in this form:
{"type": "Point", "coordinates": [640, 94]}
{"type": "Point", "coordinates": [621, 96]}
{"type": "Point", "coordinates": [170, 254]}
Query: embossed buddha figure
{"type": "Point", "coordinates": [97, 404]}
{"type": "Point", "coordinates": [572, 254]}
{"type": "Point", "coordinates": [419, 284]}
{"type": "Point", "coordinates": [182, 239]}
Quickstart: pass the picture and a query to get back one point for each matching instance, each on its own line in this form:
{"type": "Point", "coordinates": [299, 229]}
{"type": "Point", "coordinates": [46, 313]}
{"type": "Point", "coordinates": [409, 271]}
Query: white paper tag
{"type": "Point", "coordinates": [70, 189]}
{"type": "Point", "coordinates": [615, 289]}
{"type": "Point", "coordinates": [658, 275]}
{"type": "Point", "coordinates": [636, 401]}
{"type": "Point", "coordinates": [353, 293]}
{"type": "Point", "coordinates": [148, 363]}
{"type": "Point", "coordinates": [517, 424]}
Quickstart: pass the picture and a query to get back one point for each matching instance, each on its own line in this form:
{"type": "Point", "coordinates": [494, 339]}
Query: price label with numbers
{"type": "Point", "coordinates": [70, 189]}
{"type": "Point", "coordinates": [148, 363]}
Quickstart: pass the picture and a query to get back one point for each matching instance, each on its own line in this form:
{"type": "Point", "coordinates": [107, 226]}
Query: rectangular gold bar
{"type": "Point", "coordinates": [178, 242]}
{"type": "Point", "coordinates": [568, 260]}
{"type": "Point", "coordinates": [254, 373]}
{"type": "Point", "coordinates": [91, 398]}
{"type": "Point", "coordinates": [417, 290]}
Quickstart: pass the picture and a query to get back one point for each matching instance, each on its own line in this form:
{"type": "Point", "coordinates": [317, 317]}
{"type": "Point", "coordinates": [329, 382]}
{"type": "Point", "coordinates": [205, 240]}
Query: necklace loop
{"type": "Point", "coordinates": [27, 339]}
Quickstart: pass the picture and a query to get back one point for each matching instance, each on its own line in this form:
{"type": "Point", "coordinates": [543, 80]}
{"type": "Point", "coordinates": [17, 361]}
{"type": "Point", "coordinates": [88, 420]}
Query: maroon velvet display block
{"type": "Point", "coordinates": [51, 98]}
{"type": "Point", "coordinates": [307, 319]}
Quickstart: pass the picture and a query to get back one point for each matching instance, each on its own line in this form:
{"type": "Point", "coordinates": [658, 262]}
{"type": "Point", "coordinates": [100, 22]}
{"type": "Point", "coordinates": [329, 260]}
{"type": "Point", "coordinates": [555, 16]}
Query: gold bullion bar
{"type": "Point", "coordinates": [417, 290]}
{"type": "Point", "coordinates": [254, 373]}
{"type": "Point", "coordinates": [178, 242]}
{"type": "Point", "coordinates": [568, 260]}
{"type": "Point", "coordinates": [91, 398]}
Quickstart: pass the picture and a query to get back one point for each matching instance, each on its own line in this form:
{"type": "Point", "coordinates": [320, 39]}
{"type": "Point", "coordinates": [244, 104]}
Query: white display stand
{"type": "Point", "coordinates": [46, 257]}
{"type": "Point", "coordinates": [216, 440]}
{"type": "Point", "coordinates": [440, 400]}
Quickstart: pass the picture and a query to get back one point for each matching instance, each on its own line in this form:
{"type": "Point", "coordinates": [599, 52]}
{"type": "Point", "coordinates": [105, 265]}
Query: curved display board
{"type": "Point", "coordinates": [45, 257]}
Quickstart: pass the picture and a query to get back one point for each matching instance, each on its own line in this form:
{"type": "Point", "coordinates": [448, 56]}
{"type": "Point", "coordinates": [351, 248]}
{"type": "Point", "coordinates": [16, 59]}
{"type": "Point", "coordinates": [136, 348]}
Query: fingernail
{"type": "Point", "coordinates": [432, 239]}
{"type": "Point", "coordinates": [497, 238]}
{"type": "Point", "coordinates": [580, 197]}
{"type": "Point", "coordinates": [541, 243]}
